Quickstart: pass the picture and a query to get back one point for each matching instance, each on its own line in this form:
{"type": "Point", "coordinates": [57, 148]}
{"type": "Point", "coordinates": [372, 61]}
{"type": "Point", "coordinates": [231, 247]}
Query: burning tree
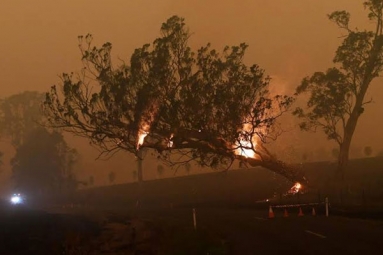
{"type": "Point", "coordinates": [205, 105]}
{"type": "Point", "coordinates": [337, 96]}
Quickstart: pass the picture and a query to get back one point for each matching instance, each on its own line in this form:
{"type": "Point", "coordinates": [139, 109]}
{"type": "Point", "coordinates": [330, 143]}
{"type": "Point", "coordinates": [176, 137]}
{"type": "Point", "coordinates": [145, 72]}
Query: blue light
{"type": "Point", "coordinates": [16, 199]}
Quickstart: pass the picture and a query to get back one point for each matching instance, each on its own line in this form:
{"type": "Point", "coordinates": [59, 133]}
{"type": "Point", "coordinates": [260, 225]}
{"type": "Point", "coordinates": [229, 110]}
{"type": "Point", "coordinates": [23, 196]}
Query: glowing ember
{"type": "Point", "coordinates": [295, 189]}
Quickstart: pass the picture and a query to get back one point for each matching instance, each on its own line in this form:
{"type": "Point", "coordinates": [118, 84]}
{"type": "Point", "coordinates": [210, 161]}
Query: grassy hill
{"type": "Point", "coordinates": [364, 184]}
{"type": "Point", "coordinates": [233, 187]}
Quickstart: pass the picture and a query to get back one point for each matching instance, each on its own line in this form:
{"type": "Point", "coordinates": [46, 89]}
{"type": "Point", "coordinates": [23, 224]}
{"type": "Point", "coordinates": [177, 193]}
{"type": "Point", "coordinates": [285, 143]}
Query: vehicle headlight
{"type": "Point", "coordinates": [16, 199]}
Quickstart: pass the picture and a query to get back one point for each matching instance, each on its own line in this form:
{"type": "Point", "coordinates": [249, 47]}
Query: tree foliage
{"type": "Point", "coordinates": [43, 163]}
{"type": "Point", "coordinates": [160, 170]}
{"type": "Point", "coordinates": [1, 159]}
{"type": "Point", "coordinates": [91, 180]}
{"type": "Point", "coordinates": [202, 105]}
{"type": "Point", "coordinates": [335, 153]}
{"type": "Point", "coordinates": [111, 177]}
{"type": "Point", "coordinates": [337, 96]}
{"type": "Point", "coordinates": [367, 151]}
{"type": "Point", "coordinates": [19, 114]}
{"type": "Point", "coordinates": [187, 168]}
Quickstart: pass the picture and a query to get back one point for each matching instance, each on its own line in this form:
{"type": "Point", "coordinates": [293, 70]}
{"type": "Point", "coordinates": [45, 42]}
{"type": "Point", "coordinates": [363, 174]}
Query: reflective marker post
{"type": "Point", "coordinates": [326, 206]}
{"type": "Point", "coordinates": [194, 219]}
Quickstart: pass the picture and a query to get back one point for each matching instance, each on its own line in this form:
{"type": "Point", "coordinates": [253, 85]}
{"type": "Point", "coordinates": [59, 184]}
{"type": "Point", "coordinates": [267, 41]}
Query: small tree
{"type": "Point", "coordinates": [160, 170]}
{"type": "Point", "coordinates": [337, 96]}
{"type": "Point", "coordinates": [188, 168]}
{"type": "Point", "coordinates": [91, 180]}
{"type": "Point", "coordinates": [1, 157]}
{"type": "Point", "coordinates": [134, 175]}
{"type": "Point", "coordinates": [367, 151]}
{"type": "Point", "coordinates": [112, 177]}
{"type": "Point", "coordinates": [335, 153]}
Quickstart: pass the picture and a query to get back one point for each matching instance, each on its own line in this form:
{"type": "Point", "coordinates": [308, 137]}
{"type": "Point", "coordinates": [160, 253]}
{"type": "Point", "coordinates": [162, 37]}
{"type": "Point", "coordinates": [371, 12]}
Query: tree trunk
{"type": "Point", "coordinates": [139, 194]}
{"type": "Point", "coordinates": [369, 74]}
{"type": "Point", "coordinates": [290, 172]}
{"type": "Point", "coordinates": [139, 166]}
{"type": "Point", "coordinates": [343, 159]}
{"type": "Point", "coordinates": [349, 132]}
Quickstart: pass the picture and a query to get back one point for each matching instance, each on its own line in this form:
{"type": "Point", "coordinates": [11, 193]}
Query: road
{"type": "Point", "coordinates": [251, 232]}
{"type": "Point", "coordinates": [239, 231]}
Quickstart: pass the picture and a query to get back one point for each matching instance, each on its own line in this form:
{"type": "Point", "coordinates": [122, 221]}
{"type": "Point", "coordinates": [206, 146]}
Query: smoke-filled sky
{"type": "Point", "coordinates": [290, 39]}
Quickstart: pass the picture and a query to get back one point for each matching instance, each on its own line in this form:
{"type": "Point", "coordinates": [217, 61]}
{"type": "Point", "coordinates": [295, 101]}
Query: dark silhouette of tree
{"type": "Point", "coordinates": [187, 167]}
{"type": "Point", "coordinates": [43, 161]}
{"type": "Point", "coordinates": [160, 170]}
{"type": "Point", "coordinates": [43, 164]}
{"type": "Point", "coordinates": [337, 96]}
{"type": "Point", "coordinates": [1, 160]}
{"type": "Point", "coordinates": [335, 153]}
{"type": "Point", "coordinates": [112, 177]}
{"type": "Point", "coordinates": [134, 175]}
{"type": "Point", "coordinates": [20, 114]}
{"type": "Point", "coordinates": [206, 106]}
{"type": "Point", "coordinates": [367, 151]}
{"type": "Point", "coordinates": [91, 180]}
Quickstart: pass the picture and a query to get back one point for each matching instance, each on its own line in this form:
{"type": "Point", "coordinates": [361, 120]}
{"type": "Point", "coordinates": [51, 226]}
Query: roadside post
{"type": "Point", "coordinates": [326, 206]}
{"type": "Point", "coordinates": [194, 219]}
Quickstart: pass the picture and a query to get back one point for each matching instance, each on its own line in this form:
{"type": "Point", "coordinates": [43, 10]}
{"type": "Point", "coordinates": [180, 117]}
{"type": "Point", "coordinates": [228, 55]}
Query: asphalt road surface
{"type": "Point", "coordinates": [251, 232]}
{"type": "Point", "coordinates": [241, 231]}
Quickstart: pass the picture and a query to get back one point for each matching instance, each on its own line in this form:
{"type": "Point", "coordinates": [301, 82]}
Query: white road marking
{"type": "Point", "coordinates": [258, 218]}
{"type": "Point", "coordinates": [315, 234]}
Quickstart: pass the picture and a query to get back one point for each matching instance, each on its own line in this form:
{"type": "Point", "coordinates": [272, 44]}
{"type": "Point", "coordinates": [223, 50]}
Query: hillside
{"type": "Point", "coordinates": [364, 183]}
{"type": "Point", "coordinates": [243, 186]}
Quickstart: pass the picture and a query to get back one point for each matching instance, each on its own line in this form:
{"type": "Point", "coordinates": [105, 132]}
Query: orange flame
{"type": "Point", "coordinates": [296, 188]}
{"type": "Point", "coordinates": [170, 141]}
{"type": "Point", "coordinates": [247, 145]}
{"type": "Point", "coordinates": [142, 133]}
{"type": "Point", "coordinates": [147, 118]}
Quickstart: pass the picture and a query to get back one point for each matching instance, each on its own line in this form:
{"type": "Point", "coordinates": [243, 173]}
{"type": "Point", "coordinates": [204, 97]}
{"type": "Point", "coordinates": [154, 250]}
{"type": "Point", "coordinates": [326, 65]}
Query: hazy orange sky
{"type": "Point", "coordinates": [289, 38]}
